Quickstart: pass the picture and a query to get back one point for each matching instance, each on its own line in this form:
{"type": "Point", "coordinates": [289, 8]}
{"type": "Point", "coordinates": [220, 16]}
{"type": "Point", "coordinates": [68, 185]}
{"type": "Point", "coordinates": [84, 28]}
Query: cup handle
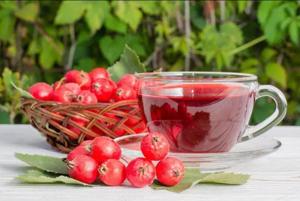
{"type": "Point", "coordinates": [274, 119]}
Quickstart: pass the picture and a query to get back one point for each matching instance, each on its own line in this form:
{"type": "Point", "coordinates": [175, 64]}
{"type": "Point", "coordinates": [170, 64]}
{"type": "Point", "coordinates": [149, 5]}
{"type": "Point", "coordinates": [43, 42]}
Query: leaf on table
{"type": "Point", "coordinates": [194, 176]}
{"type": "Point", "coordinates": [129, 63]}
{"type": "Point", "coordinates": [23, 92]}
{"type": "Point", "coordinates": [228, 178]}
{"type": "Point", "coordinates": [46, 163]}
{"type": "Point", "coordinates": [34, 176]}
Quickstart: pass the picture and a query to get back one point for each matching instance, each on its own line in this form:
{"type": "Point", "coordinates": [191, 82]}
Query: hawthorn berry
{"type": "Point", "coordinates": [67, 93]}
{"type": "Point", "coordinates": [103, 148]}
{"type": "Point", "coordinates": [97, 73]}
{"type": "Point", "coordinates": [124, 93]}
{"type": "Point", "coordinates": [128, 80]}
{"type": "Point", "coordinates": [170, 171]}
{"type": "Point", "coordinates": [104, 89]}
{"type": "Point", "coordinates": [83, 168]}
{"type": "Point", "coordinates": [41, 91]}
{"type": "Point", "coordinates": [79, 150]}
{"type": "Point", "coordinates": [112, 172]}
{"type": "Point", "coordinates": [80, 77]}
{"type": "Point", "coordinates": [155, 146]}
{"type": "Point", "coordinates": [140, 172]}
{"type": "Point", "coordinates": [86, 97]}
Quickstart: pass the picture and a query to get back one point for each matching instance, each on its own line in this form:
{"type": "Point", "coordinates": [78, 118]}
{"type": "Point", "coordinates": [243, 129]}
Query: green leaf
{"type": "Point", "coordinates": [111, 47]}
{"type": "Point", "coordinates": [128, 12]}
{"type": "Point", "coordinates": [193, 177]}
{"type": "Point", "coordinates": [34, 47]}
{"type": "Point", "coordinates": [8, 78]}
{"type": "Point", "coordinates": [7, 24]}
{"type": "Point", "coordinates": [277, 73]}
{"type": "Point", "coordinates": [113, 23]}
{"type": "Point", "coordinates": [23, 92]}
{"type": "Point", "coordinates": [34, 176]}
{"type": "Point", "coordinates": [28, 12]}
{"type": "Point", "coordinates": [46, 163]}
{"type": "Point", "coordinates": [264, 10]}
{"type": "Point", "coordinates": [149, 7]}
{"type": "Point", "coordinates": [129, 63]}
{"type": "Point", "coordinates": [136, 43]}
{"type": "Point", "coordinates": [294, 32]}
{"type": "Point", "coordinates": [4, 117]}
{"type": "Point", "coordinates": [49, 55]}
{"type": "Point", "coordinates": [268, 54]}
{"type": "Point", "coordinates": [242, 5]}
{"type": "Point", "coordinates": [96, 12]}
{"type": "Point", "coordinates": [69, 12]}
{"type": "Point", "coordinates": [225, 178]}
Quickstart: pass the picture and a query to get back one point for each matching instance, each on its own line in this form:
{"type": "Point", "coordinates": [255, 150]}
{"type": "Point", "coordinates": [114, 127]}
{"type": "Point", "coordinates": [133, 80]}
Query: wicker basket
{"type": "Point", "coordinates": [56, 121]}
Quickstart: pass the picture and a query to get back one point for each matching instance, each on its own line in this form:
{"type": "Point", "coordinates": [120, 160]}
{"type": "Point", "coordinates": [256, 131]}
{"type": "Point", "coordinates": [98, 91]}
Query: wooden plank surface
{"type": "Point", "coordinates": [273, 177]}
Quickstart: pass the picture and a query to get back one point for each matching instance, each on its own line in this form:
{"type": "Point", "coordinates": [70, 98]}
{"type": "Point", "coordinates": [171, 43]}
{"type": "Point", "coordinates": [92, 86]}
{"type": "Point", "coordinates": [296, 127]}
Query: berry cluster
{"type": "Point", "coordinates": [90, 88]}
{"type": "Point", "coordinates": [99, 158]}
{"type": "Point", "coordinates": [86, 88]}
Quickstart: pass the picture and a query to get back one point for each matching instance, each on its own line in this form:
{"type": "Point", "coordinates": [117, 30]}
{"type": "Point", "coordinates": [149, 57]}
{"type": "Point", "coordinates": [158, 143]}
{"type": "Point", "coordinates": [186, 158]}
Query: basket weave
{"type": "Point", "coordinates": [54, 120]}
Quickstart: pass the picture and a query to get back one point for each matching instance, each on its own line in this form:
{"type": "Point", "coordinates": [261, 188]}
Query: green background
{"type": "Point", "coordinates": [40, 41]}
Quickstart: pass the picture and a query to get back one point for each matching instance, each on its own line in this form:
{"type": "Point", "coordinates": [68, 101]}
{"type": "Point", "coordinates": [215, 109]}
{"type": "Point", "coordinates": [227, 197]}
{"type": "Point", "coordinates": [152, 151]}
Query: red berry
{"type": "Point", "coordinates": [97, 73]}
{"type": "Point", "coordinates": [112, 172]}
{"type": "Point", "coordinates": [155, 146]}
{"type": "Point", "coordinates": [132, 121]}
{"type": "Point", "coordinates": [141, 127]}
{"type": "Point", "coordinates": [140, 172]}
{"type": "Point", "coordinates": [124, 93]}
{"type": "Point", "coordinates": [73, 87]}
{"type": "Point", "coordinates": [80, 122]}
{"type": "Point", "coordinates": [41, 91]}
{"type": "Point", "coordinates": [86, 97]}
{"type": "Point", "coordinates": [104, 148]}
{"type": "Point", "coordinates": [128, 80]}
{"type": "Point", "coordinates": [79, 150]}
{"type": "Point", "coordinates": [67, 93]}
{"type": "Point", "coordinates": [103, 89]}
{"type": "Point", "coordinates": [83, 168]}
{"type": "Point", "coordinates": [79, 77]}
{"type": "Point", "coordinates": [170, 171]}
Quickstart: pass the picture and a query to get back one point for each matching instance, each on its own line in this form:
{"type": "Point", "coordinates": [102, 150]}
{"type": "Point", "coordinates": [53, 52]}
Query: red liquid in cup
{"type": "Point", "coordinates": [198, 117]}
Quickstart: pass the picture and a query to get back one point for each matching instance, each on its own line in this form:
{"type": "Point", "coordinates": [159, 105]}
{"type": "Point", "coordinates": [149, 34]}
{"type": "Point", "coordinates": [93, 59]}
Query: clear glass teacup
{"type": "Point", "coordinates": [205, 112]}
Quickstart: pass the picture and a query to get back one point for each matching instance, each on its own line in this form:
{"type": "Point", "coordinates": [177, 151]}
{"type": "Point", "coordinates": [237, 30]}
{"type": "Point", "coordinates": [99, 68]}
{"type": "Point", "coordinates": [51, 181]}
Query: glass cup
{"type": "Point", "coordinates": [205, 112]}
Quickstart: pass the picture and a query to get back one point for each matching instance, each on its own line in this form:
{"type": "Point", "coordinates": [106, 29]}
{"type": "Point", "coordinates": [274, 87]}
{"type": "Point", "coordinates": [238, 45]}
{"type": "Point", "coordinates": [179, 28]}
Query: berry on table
{"type": "Point", "coordinates": [170, 171]}
{"type": "Point", "coordinates": [112, 172]}
{"type": "Point", "coordinates": [79, 150]}
{"type": "Point", "coordinates": [140, 172]}
{"type": "Point", "coordinates": [103, 148]}
{"type": "Point", "coordinates": [155, 146]}
{"type": "Point", "coordinates": [83, 168]}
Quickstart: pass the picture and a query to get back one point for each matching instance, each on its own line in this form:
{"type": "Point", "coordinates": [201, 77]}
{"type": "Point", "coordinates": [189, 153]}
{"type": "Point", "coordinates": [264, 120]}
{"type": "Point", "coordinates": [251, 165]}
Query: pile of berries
{"type": "Point", "coordinates": [86, 88]}
{"type": "Point", "coordinates": [98, 159]}
{"type": "Point", "coordinates": [91, 88]}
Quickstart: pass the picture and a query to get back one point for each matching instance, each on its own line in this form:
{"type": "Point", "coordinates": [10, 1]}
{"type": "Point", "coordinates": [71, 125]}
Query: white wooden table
{"type": "Point", "coordinates": [274, 177]}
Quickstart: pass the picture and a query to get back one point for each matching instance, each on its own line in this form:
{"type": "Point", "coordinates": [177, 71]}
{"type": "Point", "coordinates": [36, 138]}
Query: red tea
{"type": "Point", "coordinates": [197, 117]}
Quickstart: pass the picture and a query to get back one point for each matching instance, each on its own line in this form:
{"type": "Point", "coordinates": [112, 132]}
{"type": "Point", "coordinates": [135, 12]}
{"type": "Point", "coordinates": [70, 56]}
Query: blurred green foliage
{"type": "Point", "coordinates": [40, 40]}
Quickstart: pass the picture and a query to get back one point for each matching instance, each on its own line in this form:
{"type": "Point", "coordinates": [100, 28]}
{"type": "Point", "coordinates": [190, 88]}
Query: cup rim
{"type": "Point", "coordinates": [236, 77]}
